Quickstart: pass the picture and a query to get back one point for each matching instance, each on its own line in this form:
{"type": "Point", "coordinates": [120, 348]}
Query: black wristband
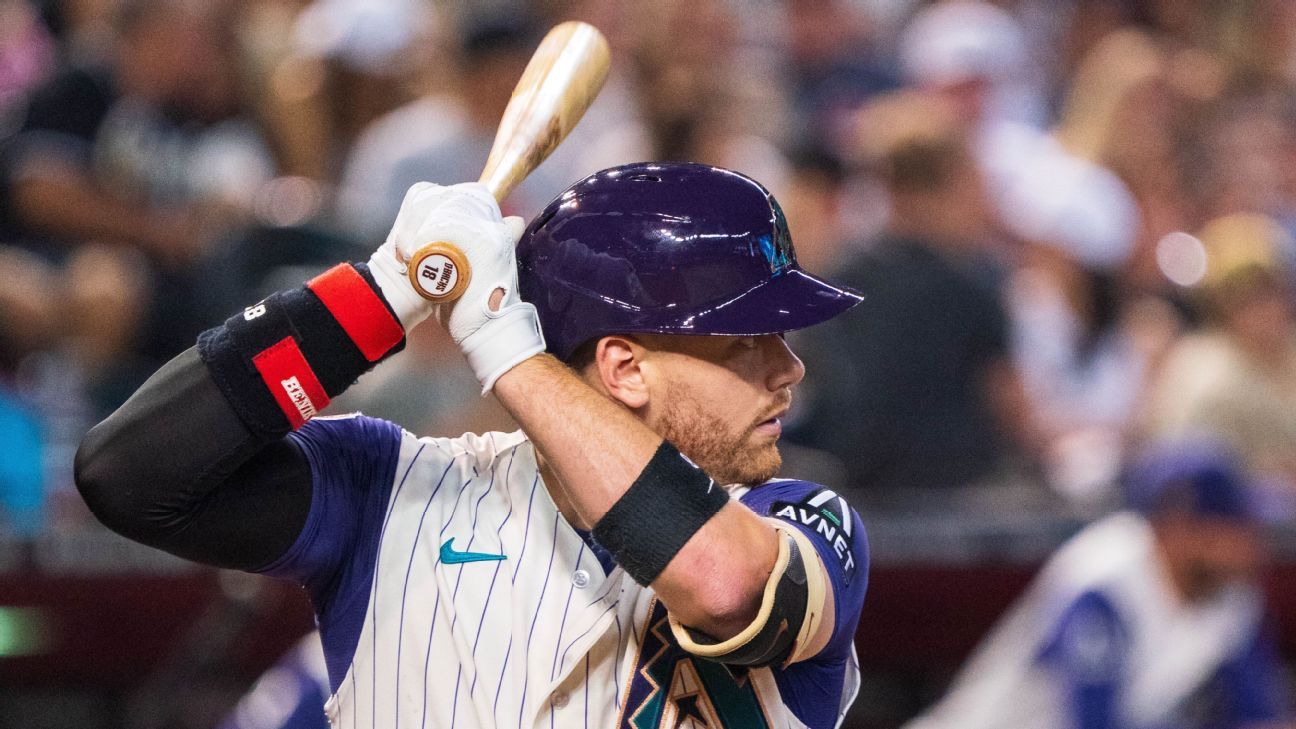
{"type": "Point", "coordinates": [658, 514]}
{"type": "Point", "coordinates": [281, 360]}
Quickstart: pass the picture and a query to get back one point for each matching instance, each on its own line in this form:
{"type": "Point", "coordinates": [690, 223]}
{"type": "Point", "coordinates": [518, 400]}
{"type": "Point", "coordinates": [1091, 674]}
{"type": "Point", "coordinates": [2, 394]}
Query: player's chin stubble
{"type": "Point", "coordinates": [709, 441]}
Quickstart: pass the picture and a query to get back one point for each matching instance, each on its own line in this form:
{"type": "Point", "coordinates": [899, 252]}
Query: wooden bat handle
{"type": "Point", "coordinates": [559, 83]}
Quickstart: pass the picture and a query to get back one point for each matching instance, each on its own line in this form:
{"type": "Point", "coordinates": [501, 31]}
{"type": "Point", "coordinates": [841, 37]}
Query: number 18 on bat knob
{"type": "Point", "coordinates": [440, 272]}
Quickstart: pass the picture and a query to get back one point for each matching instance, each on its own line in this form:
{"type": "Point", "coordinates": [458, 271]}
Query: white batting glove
{"type": "Point", "coordinates": [493, 340]}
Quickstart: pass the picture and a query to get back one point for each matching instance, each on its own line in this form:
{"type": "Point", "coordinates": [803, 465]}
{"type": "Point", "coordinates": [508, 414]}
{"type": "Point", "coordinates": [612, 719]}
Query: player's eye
{"type": "Point", "coordinates": [747, 342]}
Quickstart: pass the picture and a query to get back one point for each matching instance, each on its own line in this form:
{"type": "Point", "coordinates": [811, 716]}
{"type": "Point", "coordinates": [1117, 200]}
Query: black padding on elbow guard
{"type": "Point", "coordinates": [778, 635]}
{"type": "Point", "coordinates": [658, 514]}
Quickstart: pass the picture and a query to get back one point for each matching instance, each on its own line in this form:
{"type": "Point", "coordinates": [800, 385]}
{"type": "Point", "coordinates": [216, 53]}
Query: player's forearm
{"type": "Point", "coordinates": [598, 449]}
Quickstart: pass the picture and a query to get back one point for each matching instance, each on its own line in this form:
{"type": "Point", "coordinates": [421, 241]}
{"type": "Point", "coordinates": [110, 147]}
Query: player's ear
{"type": "Point", "coordinates": [617, 368]}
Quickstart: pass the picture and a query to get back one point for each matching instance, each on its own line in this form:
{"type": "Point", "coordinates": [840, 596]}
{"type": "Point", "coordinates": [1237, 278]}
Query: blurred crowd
{"type": "Point", "coordinates": [1072, 220]}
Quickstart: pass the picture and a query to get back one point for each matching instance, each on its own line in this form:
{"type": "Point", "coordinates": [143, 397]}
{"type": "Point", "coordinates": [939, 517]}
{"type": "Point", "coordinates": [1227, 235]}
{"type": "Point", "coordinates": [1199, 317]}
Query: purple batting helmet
{"type": "Point", "coordinates": [667, 248]}
{"type": "Point", "coordinates": [1197, 475]}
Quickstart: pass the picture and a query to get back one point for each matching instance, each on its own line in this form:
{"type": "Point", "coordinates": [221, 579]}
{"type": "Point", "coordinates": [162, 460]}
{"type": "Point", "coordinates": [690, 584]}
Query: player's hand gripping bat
{"type": "Point", "coordinates": [562, 78]}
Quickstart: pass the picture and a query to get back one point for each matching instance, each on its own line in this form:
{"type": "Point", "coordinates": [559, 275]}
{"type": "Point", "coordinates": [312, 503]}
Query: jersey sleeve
{"type": "Point", "coordinates": [352, 463]}
{"type": "Point", "coordinates": [817, 689]}
{"type": "Point", "coordinates": [839, 539]}
{"type": "Point", "coordinates": [1086, 654]}
{"type": "Point", "coordinates": [1253, 685]}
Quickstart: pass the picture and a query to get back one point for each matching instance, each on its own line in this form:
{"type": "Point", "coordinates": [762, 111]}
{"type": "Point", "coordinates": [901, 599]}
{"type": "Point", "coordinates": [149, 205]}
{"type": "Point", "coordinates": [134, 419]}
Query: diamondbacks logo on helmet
{"type": "Point", "coordinates": [777, 247]}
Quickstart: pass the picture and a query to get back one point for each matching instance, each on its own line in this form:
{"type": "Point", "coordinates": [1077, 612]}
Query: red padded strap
{"type": "Point", "coordinates": [358, 309]}
{"type": "Point", "coordinates": [291, 381]}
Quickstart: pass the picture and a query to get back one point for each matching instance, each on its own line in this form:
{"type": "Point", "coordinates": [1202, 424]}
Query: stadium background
{"type": "Point", "coordinates": [1103, 193]}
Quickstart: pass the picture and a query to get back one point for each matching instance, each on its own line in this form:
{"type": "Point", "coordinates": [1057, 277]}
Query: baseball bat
{"type": "Point", "coordinates": [561, 79]}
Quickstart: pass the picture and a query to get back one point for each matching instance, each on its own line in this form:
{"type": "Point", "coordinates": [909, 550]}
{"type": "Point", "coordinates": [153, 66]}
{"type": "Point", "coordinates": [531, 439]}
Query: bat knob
{"type": "Point", "coordinates": [439, 272]}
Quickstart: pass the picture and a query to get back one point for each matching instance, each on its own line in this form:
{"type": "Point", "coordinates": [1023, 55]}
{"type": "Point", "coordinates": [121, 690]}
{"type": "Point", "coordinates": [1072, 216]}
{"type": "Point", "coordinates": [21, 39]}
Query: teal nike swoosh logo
{"type": "Point", "coordinates": [450, 556]}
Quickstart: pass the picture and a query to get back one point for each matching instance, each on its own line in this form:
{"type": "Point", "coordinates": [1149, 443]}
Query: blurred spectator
{"type": "Point", "coordinates": [1255, 37]}
{"type": "Point", "coordinates": [973, 54]}
{"type": "Point", "coordinates": [123, 153]}
{"type": "Point", "coordinates": [104, 309]}
{"type": "Point", "coordinates": [426, 389]}
{"type": "Point", "coordinates": [1128, 109]}
{"type": "Point", "coordinates": [916, 389]}
{"type": "Point", "coordinates": [1084, 350]}
{"type": "Point", "coordinates": [834, 67]}
{"type": "Point", "coordinates": [1148, 618]}
{"type": "Point", "coordinates": [68, 361]}
{"type": "Point", "coordinates": [1085, 335]}
{"type": "Point", "coordinates": [26, 58]}
{"type": "Point", "coordinates": [698, 97]}
{"type": "Point", "coordinates": [332, 69]}
{"type": "Point", "coordinates": [445, 138]}
{"type": "Point", "coordinates": [815, 203]}
{"type": "Point", "coordinates": [1246, 145]}
{"type": "Point", "coordinates": [1236, 378]}
{"type": "Point", "coordinates": [290, 695]}
{"type": "Point", "coordinates": [150, 151]}
{"type": "Point", "coordinates": [29, 316]}
{"type": "Point", "coordinates": [27, 321]}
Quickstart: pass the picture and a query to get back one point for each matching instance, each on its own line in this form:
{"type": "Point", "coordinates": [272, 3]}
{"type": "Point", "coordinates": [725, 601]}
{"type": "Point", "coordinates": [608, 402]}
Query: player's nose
{"type": "Point", "coordinates": [784, 368]}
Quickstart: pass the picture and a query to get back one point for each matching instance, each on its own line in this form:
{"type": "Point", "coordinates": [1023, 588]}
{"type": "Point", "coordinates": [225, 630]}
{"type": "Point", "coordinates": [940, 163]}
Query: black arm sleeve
{"type": "Point", "coordinates": [175, 468]}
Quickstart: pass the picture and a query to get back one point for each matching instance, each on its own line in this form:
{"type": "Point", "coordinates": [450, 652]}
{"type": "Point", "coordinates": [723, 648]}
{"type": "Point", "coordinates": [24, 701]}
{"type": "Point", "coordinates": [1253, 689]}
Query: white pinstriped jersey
{"type": "Point", "coordinates": [1101, 639]}
{"type": "Point", "coordinates": [452, 593]}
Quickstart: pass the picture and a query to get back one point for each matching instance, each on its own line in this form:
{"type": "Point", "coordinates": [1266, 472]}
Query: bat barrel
{"type": "Point", "coordinates": [558, 85]}
{"type": "Point", "coordinates": [562, 78]}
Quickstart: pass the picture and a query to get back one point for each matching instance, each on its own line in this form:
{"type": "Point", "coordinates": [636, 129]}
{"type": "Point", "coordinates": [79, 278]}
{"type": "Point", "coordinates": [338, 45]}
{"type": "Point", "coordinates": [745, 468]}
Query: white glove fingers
{"type": "Point", "coordinates": [476, 192]}
{"type": "Point", "coordinates": [412, 214]}
{"type": "Point", "coordinates": [492, 326]}
{"type": "Point", "coordinates": [515, 227]}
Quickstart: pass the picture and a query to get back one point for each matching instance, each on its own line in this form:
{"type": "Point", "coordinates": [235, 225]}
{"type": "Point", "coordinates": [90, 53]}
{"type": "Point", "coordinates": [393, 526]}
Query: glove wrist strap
{"type": "Point", "coordinates": [505, 340]}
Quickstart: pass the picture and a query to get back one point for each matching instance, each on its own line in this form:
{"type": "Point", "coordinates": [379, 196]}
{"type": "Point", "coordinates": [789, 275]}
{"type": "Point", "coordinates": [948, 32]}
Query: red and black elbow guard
{"type": "Point", "coordinates": [280, 361]}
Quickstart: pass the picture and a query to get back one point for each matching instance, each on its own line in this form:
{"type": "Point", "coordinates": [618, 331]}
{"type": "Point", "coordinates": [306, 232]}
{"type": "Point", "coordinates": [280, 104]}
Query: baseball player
{"type": "Point", "coordinates": [625, 560]}
{"type": "Point", "coordinates": [1150, 618]}
{"type": "Point", "coordinates": [289, 694]}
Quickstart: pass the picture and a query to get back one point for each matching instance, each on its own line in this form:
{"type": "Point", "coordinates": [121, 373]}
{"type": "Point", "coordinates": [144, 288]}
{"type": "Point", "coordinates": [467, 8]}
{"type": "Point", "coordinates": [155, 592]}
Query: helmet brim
{"type": "Point", "coordinates": [790, 301]}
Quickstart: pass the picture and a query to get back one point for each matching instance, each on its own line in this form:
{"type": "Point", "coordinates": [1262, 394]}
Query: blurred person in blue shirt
{"type": "Point", "coordinates": [1150, 618]}
{"type": "Point", "coordinates": [22, 497]}
{"type": "Point", "coordinates": [290, 695]}
{"type": "Point", "coordinates": [27, 321]}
